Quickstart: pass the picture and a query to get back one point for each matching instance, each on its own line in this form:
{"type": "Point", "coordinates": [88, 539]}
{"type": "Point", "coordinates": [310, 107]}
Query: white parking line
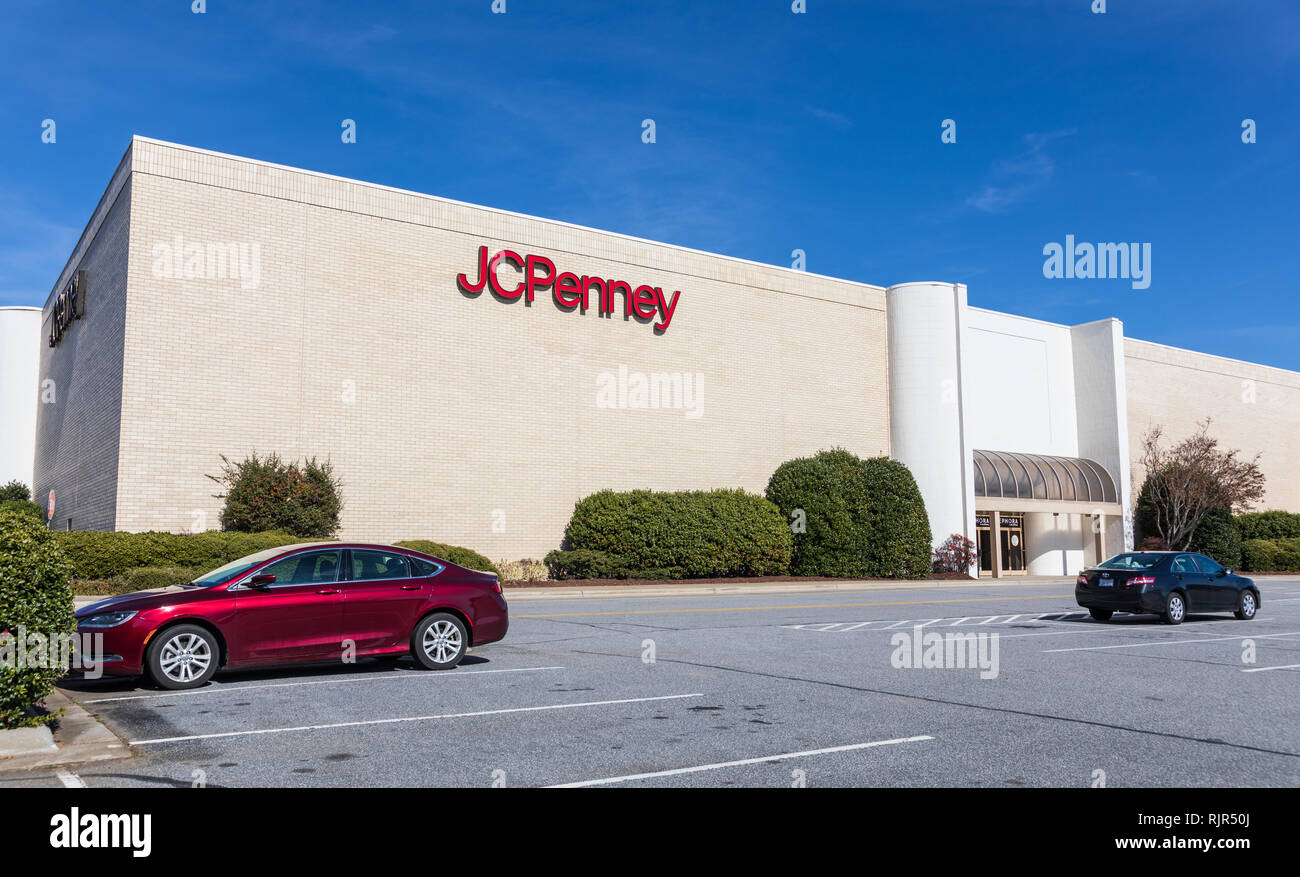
{"type": "Point", "coordinates": [950, 621]}
{"type": "Point", "coordinates": [807, 753]}
{"type": "Point", "coordinates": [403, 677]}
{"type": "Point", "coordinates": [1282, 667]}
{"type": "Point", "coordinates": [1175, 642]}
{"type": "Point", "coordinates": [369, 722]}
{"type": "Point", "coordinates": [70, 780]}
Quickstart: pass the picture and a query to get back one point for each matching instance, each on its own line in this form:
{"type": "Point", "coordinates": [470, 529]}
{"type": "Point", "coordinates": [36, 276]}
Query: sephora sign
{"type": "Point", "coordinates": [648, 304]}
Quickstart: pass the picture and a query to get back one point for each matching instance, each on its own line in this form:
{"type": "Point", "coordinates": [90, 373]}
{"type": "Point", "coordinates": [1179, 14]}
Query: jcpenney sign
{"type": "Point", "coordinates": [67, 306]}
{"type": "Point", "coordinates": [571, 291]}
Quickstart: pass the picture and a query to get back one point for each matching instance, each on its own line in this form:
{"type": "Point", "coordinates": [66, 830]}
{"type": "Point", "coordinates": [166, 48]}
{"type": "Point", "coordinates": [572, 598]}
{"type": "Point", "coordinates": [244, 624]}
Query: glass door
{"type": "Point", "coordinates": [1012, 531]}
{"type": "Point", "coordinates": [984, 542]}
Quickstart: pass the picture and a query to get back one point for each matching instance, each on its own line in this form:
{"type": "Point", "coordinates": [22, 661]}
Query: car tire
{"type": "Point", "coordinates": [1101, 614]}
{"type": "Point", "coordinates": [1175, 608]}
{"type": "Point", "coordinates": [1247, 605]}
{"type": "Point", "coordinates": [182, 657]}
{"type": "Point", "coordinates": [439, 642]}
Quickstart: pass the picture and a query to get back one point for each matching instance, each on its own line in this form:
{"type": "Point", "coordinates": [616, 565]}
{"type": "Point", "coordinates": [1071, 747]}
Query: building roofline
{"type": "Point", "coordinates": [1245, 362]}
{"type": "Point", "coordinates": [498, 211]}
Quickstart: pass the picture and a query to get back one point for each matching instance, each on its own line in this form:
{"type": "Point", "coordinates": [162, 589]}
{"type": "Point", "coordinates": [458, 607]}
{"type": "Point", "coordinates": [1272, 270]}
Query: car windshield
{"type": "Point", "coordinates": [237, 568]}
{"type": "Point", "coordinates": [1132, 561]}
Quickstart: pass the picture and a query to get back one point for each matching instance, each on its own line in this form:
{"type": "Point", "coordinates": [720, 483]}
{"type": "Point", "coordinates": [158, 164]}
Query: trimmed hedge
{"type": "Point", "coordinates": [454, 553]}
{"type": "Point", "coordinates": [582, 563]}
{"type": "Point", "coordinates": [861, 518]}
{"type": "Point", "coordinates": [667, 534]}
{"type": "Point", "coordinates": [1217, 536]}
{"type": "Point", "coordinates": [25, 507]}
{"type": "Point", "coordinates": [1269, 525]}
{"type": "Point", "coordinates": [1271, 555]}
{"type": "Point", "coordinates": [34, 599]}
{"type": "Point", "coordinates": [96, 554]}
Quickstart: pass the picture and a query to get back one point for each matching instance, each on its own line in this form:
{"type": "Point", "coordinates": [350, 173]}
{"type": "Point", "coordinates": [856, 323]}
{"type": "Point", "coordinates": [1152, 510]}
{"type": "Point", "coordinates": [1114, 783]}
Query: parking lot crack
{"type": "Point", "coordinates": [975, 706]}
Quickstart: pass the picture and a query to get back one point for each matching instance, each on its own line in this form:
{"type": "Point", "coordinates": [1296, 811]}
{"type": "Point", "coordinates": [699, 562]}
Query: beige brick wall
{"type": "Point", "coordinates": [1255, 408]}
{"type": "Point", "coordinates": [77, 420]}
{"type": "Point", "coordinates": [467, 420]}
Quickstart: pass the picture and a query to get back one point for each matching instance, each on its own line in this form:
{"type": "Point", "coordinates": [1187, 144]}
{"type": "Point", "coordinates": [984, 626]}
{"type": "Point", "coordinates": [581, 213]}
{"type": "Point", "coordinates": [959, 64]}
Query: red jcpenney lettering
{"type": "Point", "coordinates": [571, 291]}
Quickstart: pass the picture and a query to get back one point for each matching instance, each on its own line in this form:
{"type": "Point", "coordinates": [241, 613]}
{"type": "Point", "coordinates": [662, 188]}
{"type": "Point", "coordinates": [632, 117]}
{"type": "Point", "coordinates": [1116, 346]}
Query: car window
{"type": "Point", "coordinates": [1132, 561]}
{"type": "Point", "coordinates": [311, 568]}
{"type": "Point", "coordinates": [367, 564]}
{"type": "Point", "coordinates": [236, 568]}
{"type": "Point", "coordinates": [1206, 564]}
{"type": "Point", "coordinates": [1183, 563]}
{"type": "Point", "coordinates": [424, 567]}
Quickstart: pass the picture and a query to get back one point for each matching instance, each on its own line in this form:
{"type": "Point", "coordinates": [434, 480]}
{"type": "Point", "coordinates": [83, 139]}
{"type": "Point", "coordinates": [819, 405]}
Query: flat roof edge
{"type": "Point", "coordinates": [501, 212]}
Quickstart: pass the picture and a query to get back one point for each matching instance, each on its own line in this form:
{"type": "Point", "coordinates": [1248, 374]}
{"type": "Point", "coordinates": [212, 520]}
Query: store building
{"type": "Point", "coordinates": [471, 373]}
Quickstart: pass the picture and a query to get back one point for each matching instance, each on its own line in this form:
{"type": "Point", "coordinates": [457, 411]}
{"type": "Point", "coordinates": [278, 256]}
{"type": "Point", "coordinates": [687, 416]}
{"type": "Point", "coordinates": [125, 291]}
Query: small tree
{"type": "Point", "coordinates": [266, 493]}
{"type": "Point", "coordinates": [956, 554]}
{"type": "Point", "coordinates": [15, 491]}
{"type": "Point", "coordinates": [1188, 480]}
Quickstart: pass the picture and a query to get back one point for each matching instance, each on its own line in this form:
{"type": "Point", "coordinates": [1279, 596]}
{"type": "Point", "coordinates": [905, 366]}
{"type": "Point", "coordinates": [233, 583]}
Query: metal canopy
{"type": "Point", "coordinates": [1038, 476]}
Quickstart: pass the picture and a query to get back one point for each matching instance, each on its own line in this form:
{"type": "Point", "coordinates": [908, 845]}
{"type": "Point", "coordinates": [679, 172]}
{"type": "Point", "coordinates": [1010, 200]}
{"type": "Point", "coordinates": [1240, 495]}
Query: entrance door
{"type": "Point", "coordinates": [984, 542]}
{"type": "Point", "coordinates": [1012, 532]}
{"type": "Point", "coordinates": [1011, 542]}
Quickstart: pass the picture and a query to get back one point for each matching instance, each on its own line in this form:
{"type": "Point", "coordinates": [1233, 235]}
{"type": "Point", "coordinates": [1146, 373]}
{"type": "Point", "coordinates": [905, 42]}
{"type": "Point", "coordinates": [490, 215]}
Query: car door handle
{"type": "Point", "coordinates": [410, 587]}
{"type": "Point", "coordinates": [328, 591]}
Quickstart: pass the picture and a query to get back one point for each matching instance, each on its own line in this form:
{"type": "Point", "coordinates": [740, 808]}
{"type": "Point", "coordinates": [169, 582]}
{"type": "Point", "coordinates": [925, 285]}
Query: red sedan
{"type": "Point", "coordinates": [321, 601]}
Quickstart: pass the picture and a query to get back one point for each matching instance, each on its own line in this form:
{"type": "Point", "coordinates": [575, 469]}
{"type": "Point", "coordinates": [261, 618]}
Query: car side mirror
{"type": "Point", "coordinates": [1224, 572]}
{"type": "Point", "coordinates": [261, 580]}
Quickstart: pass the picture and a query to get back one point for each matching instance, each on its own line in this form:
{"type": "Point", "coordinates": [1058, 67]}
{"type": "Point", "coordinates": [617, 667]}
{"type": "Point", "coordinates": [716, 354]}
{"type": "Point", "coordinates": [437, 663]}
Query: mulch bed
{"type": "Point", "coordinates": [687, 583]}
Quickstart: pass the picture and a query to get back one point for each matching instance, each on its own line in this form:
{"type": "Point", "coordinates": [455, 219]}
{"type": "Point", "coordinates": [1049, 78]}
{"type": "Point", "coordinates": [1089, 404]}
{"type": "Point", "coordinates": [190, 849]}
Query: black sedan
{"type": "Point", "coordinates": [1167, 583]}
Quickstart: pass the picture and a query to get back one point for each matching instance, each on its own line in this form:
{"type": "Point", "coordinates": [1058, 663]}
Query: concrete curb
{"type": "Point", "coordinates": [689, 590]}
{"type": "Point", "coordinates": [686, 589]}
{"type": "Point", "coordinates": [75, 736]}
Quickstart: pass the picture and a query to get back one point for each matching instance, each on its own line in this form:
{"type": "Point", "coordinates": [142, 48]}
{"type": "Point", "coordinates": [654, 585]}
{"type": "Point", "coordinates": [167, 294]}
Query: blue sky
{"type": "Point", "coordinates": [775, 131]}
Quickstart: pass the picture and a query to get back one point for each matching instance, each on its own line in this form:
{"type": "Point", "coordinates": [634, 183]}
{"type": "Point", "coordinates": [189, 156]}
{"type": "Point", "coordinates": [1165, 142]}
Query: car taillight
{"type": "Point", "coordinates": [496, 585]}
{"type": "Point", "coordinates": [1081, 580]}
{"type": "Point", "coordinates": [1139, 581]}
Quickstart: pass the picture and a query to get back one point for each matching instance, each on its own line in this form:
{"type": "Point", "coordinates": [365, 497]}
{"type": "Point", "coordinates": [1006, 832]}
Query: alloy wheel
{"type": "Point", "coordinates": [185, 657]}
{"type": "Point", "coordinates": [442, 641]}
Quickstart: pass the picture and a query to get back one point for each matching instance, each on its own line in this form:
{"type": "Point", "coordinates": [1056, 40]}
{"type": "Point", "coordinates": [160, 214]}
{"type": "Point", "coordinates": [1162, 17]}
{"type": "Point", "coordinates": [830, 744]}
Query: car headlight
{"type": "Point", "coordinates": [107, 619]}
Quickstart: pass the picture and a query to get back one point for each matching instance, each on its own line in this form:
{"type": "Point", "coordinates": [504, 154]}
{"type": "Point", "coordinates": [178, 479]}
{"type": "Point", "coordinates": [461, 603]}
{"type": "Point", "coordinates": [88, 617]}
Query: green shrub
{"type": "Point", "coordinates": [24, 507]}
{"type": "Point", "coordinates": [34, 598]}
{"type": "Point", "coordinates": [581, 563]}
{"type": "Point", "coordinates": [147, 578]}
{"type": "Point", "coordinates": [1269, 525]}
{"type": "Point", "coordinates": [15, 491]}
{"type": "Point", "coordinates": [454, 553]}
{"type": "Point", "coordinates": [1270, 555]}
{"type": "Point", "coordinates": [1217, 536]}
{"type": "Point", "coordinates": [853, 517]}
{"type": "Point", "coordinates": [683, 534]}
{"type": "Point", "coordinates": [266, 493]}
{"type": "Point", "coordinates": [96, 554]}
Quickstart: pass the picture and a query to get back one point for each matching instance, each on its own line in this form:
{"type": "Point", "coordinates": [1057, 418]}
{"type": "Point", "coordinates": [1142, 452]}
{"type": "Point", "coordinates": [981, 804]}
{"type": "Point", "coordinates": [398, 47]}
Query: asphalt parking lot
{"type": "Point", "coordinates": [771, 689]}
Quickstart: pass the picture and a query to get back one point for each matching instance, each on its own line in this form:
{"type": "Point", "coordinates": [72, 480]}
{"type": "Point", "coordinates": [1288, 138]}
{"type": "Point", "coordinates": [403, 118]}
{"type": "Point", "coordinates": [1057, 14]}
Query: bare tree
{"type": "Point", "coordinates": [1191, 478]}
